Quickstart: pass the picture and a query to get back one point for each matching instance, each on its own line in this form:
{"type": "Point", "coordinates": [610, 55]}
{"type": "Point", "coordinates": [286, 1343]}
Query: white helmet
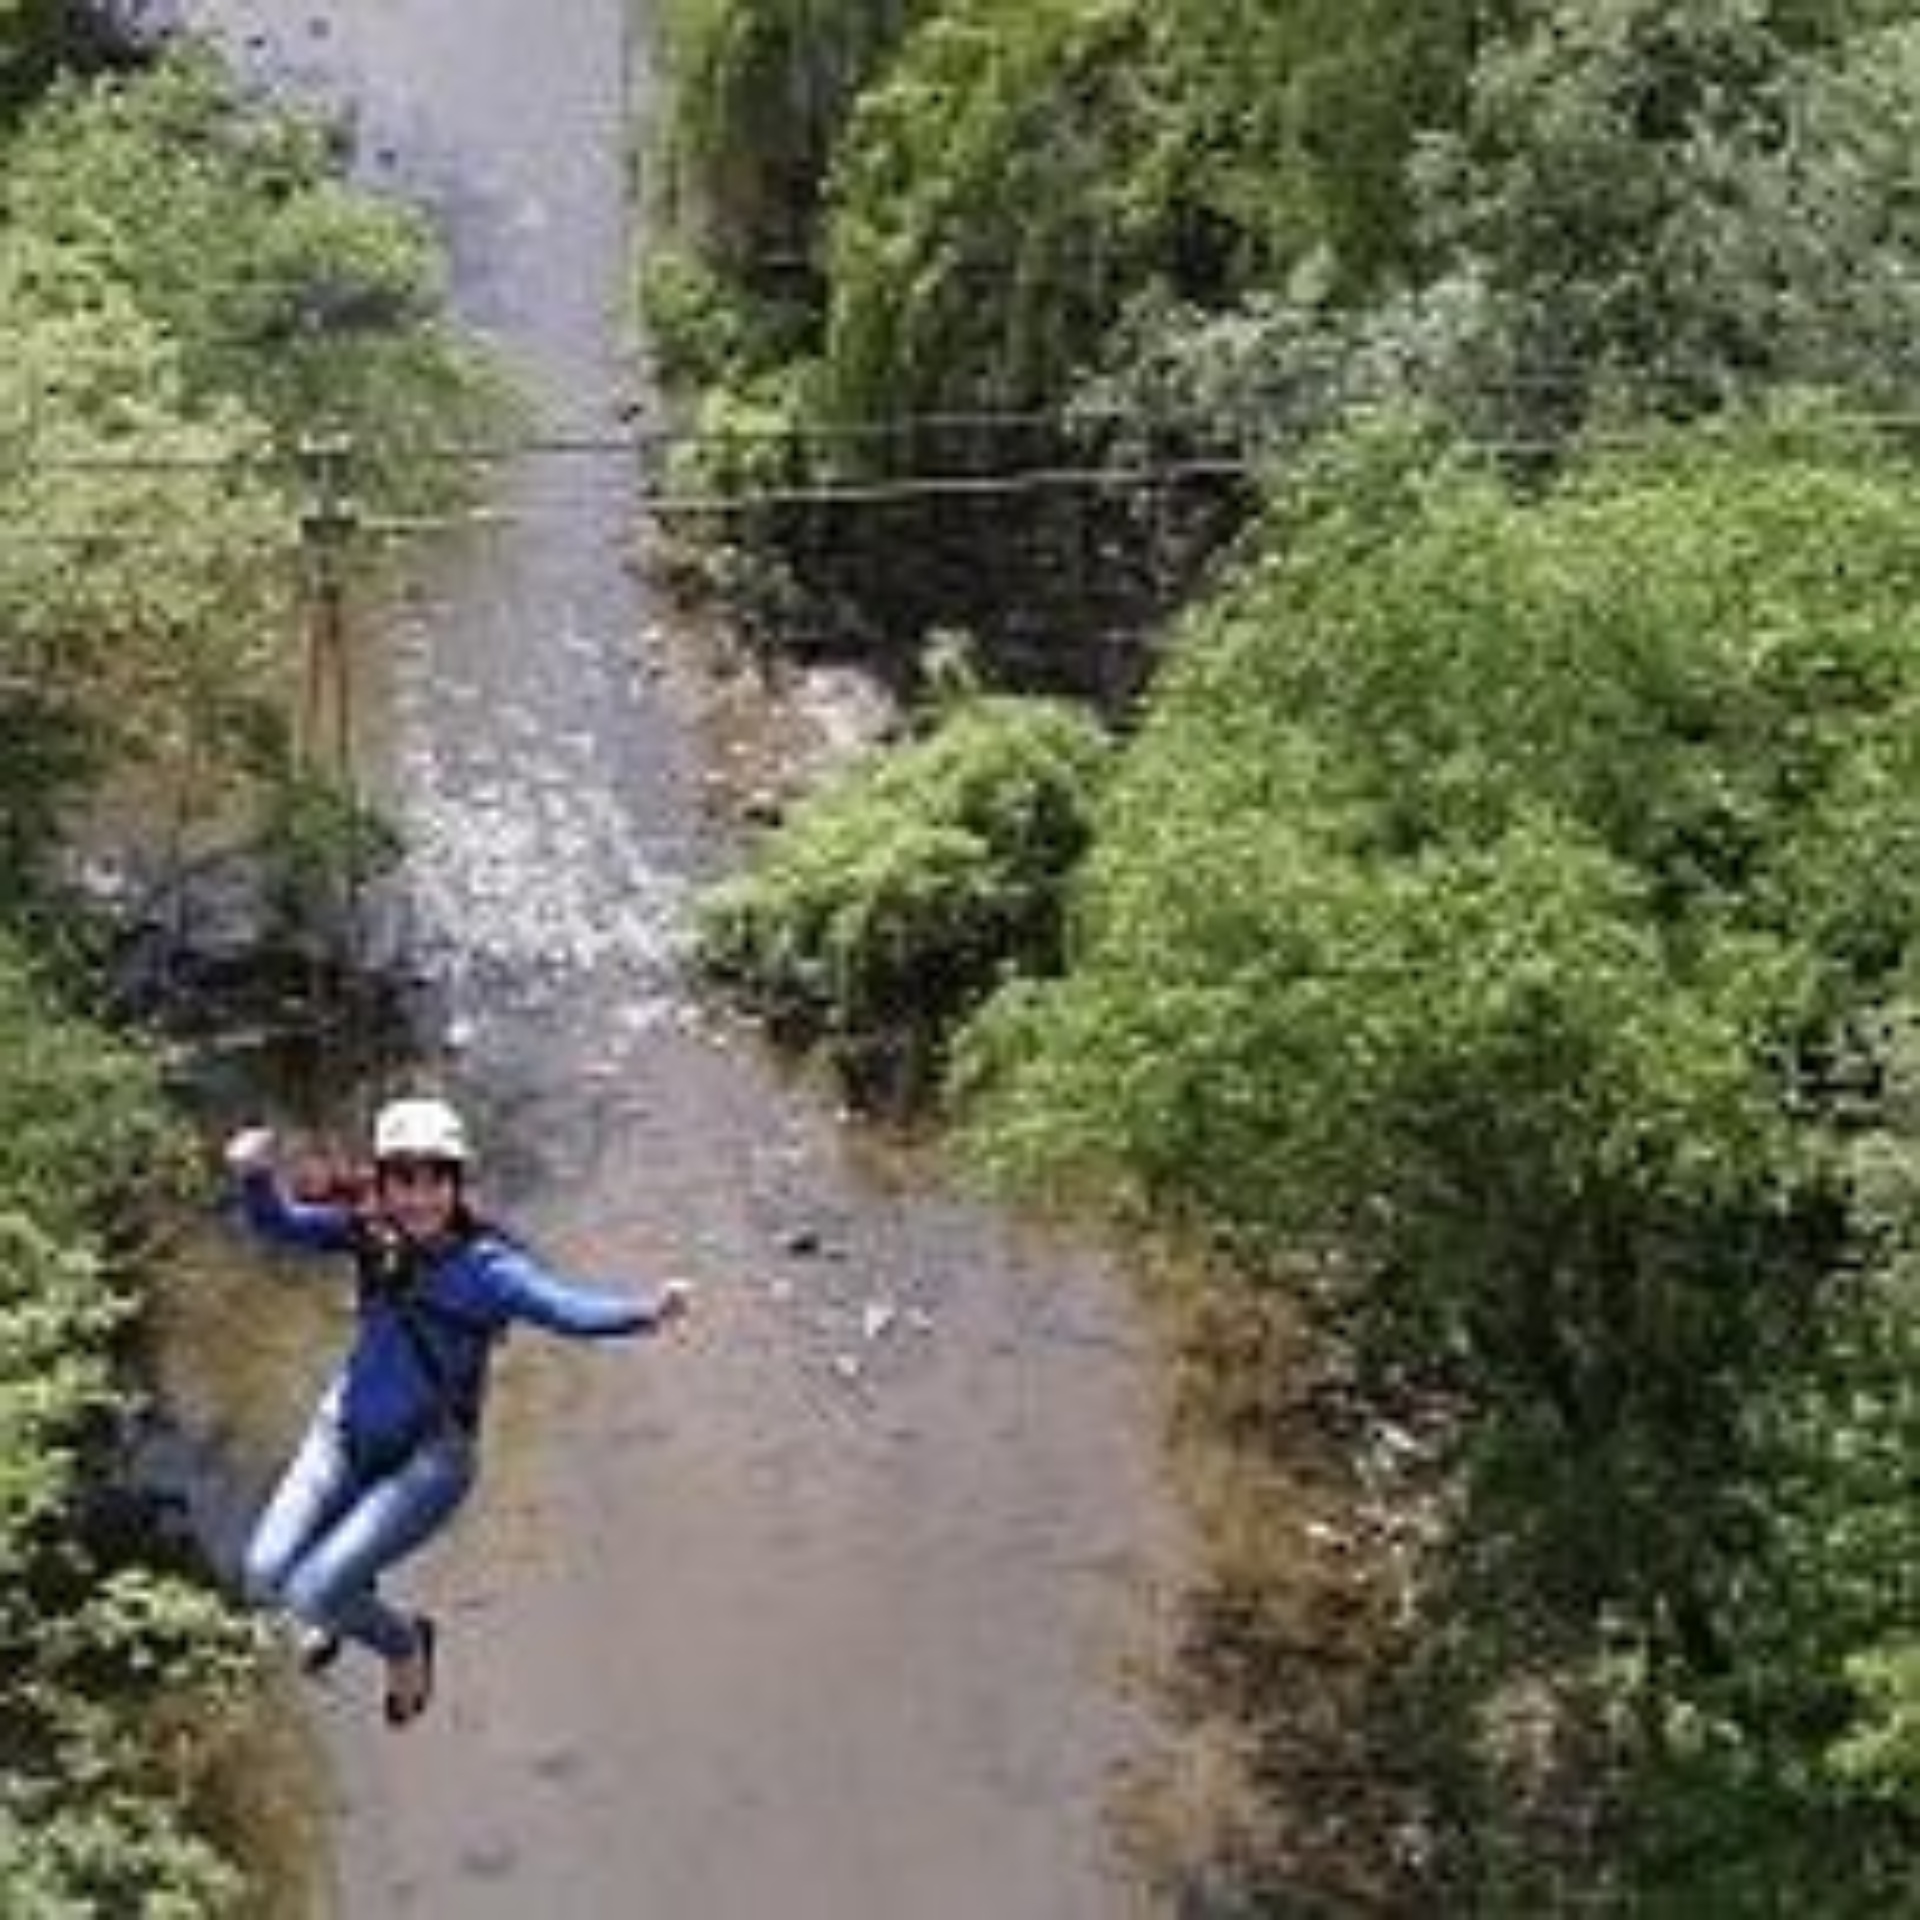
{"type": "Point", "coordinates": [420, 1129]}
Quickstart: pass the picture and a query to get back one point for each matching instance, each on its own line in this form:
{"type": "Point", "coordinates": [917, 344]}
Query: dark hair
{"type": "Point", "coordinates": [388, 1262]}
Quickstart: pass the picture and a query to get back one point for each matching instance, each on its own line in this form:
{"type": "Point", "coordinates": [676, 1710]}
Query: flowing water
{"type": "Point", "coordinates": [819, 1609]}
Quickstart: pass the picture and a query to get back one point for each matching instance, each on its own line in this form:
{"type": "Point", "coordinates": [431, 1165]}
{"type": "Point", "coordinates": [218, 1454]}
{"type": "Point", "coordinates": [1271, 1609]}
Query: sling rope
{"type": "Point", "coordinates": [326, 760]}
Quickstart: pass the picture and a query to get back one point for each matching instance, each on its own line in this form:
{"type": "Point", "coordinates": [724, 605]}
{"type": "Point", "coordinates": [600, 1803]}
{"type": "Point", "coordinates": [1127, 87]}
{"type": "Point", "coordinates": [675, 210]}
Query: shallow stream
{"type": "Point", "coordinates": [822, 1609]}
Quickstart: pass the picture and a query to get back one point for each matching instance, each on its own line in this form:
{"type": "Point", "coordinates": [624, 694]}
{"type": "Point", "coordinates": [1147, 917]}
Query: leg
{"type": "Point", "coordinates": [335, 1583]}
{"type": "Point", "coordinates": [316, 1488]}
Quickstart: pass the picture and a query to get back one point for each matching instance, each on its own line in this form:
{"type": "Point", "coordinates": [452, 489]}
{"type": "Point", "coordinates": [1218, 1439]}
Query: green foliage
{"type": "Point", "coordinates": [1008, 187]}
{"type": "Point", "coordinates": [1007, 179]}
{"type": "Point", "coordinates": [1490, 906]}
{"type": "Point", "coordinates": [77, 1112]}
{"type": "Point", "coordinates": [186, 288]}
{"type": "Point", "coordinates": [1668, 206]}
{"type": "Point", "coordinates": [108, 1660]}
{"type": "Point", "coordinates": [1670, 721]}
{"type": "Point", "coordinates": [145, 563]}
{"type": "Point", "coordinates": [117, 1855]}
{"type": "Point", "coordinates": [1498, 913]}
{"type": "Point", "coordinates": [1883, 1749]}
{"type": "Point", "coordinates": [749, 439]}
{"type": "Point", "coordinates": [702, 328]}
{"type": "Point", "coordinates": [893, 900]}
{"type": "Point", "coordinates": [761, 92]}
{"type": "Point", "coordinates": [145, 556]}
{"type": "Point", "coordinates": [52, 1374]}
{"type": "Point", "coordinates": [1228, 222]}
{"type": "Point", "coordinates": [37, 37]}
{"type": "Point", "coordinates": [1629, 209]}
{"type": "Point", "coordinates": [43, 762]}
{"type": "Point", "coordinates": [984, 227]}
{"type": "Point", "coordinates": [1847, 1448]}
{"type": "Point", "coordinates": [1294, 125]}
{"type": "Point", "coordinates": [1787, 1777]}
{"type": "Point", "coordinates": [315, 305]}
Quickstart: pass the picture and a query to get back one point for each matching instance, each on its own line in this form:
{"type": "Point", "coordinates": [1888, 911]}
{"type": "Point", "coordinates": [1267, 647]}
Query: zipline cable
{"type": "Point", "coordinates": [1267, 439]}
{"type": "Point", "coordinates": [666, 504]}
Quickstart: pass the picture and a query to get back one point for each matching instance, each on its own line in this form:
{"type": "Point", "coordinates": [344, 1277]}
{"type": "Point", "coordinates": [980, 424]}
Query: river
{"type": "Point", "coordinates": [823, 1607]}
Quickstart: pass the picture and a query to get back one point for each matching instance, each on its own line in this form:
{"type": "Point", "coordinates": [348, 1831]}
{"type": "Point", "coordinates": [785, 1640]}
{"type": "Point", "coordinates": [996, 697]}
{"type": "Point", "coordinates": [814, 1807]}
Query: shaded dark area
{"type": "Point", "coordinates": [1058, 565]}
{"type": "Point", "coordinates": [46, 758]}
{"type": "Point", "coordinates": [42, 39]}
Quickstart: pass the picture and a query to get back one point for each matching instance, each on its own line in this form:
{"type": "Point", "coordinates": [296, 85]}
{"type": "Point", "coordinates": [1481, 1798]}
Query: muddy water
{"type": "Point", "coordinates": [821, 1608]}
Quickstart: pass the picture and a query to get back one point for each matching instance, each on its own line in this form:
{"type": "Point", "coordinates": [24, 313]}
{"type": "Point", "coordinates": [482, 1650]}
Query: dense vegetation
{"type": "Point", "coordinates": [1043, 233]}
{"type": "Point", "coordinates": [186, 292]}
{"type": "Point", "coordinates": [122, 1667]}
{"type": "Point", "coordinates": [905, 894]}
{"type": "Point", "coordinates": [1505, 917]}
{"type": "Point", "coordinates": [1497, 938]}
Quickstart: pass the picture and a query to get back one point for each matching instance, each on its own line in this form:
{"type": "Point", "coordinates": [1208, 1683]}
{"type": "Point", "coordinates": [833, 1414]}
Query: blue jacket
{"type": "Point", "coordinates": [416, 1368]}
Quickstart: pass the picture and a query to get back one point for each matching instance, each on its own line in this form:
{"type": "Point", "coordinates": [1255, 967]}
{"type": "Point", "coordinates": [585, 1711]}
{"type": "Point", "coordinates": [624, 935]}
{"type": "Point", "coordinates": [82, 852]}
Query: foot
{"type": "Point", "coordinates": [316, 1649]}
{"type": "Point", "coordinates": [410, 1678]}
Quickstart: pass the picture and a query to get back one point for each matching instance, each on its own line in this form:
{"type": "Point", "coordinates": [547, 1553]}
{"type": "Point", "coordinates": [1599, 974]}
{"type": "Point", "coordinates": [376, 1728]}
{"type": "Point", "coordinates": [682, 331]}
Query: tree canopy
{"type": "Point", "coordinates": [1499, 908]}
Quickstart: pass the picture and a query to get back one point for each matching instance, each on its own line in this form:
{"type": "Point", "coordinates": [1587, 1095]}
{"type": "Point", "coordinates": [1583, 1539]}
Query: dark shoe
{"type": "Point", "coordinates": [317, 1649]}
{"type": "Point", "coordinates": [407, 1704]}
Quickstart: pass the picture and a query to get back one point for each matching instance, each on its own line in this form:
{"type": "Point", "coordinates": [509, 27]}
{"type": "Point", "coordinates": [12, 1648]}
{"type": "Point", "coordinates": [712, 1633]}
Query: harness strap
{"type": "Point", "coordinates": [394, 1274]}
{"type": "Point", "coordinates": [460, 1409]}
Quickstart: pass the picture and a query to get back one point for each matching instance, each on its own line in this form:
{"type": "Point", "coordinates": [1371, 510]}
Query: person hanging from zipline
{"type": "Point", "coordinates": [390, 1453]}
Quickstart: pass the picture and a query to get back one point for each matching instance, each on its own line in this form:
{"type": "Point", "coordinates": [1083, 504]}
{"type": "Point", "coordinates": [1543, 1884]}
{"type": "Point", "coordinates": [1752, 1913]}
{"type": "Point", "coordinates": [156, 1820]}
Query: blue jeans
{"type": "Point", "coordinates": [330, 1531]}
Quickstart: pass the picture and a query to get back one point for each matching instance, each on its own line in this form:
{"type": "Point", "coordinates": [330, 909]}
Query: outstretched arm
{"type": "Point", "coordinates": [271, 1212]}
{"type": "Point", "coordinates": [528, 1292]}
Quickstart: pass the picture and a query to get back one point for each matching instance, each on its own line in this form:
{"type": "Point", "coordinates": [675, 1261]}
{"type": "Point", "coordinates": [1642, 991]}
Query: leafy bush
{"type": "Point", "coordinates": [40, 38]}
{"type": "Point", "coordinates": [186, 288]}
{"type": "Point", "coordinates": [983, 224]}
{"type": "Point", "coordinates": [977, 200]}
{"type": "Point", "coordinates": [748, 441]}
{"type": "Point", "coordinates": [1491, 907]}
{"type": "Point", "coordinates": [892, 901]}
{"type": "Point", "coordinates": [315, 305]}
{"type": "Point", "coordinates": [148, 551]}
{"type": "Point", "coordinates": [116, 1669]}
{"type": "Point", "coordinates": [322, 846]}
{"type": "Point", "coordinates": [761, 91]}
{"type": "Point", "coordinates": [703, 328]}
{"type": "Point", "coordinates": [1646, 208]}
{"type": "Point", "coordinates": [973, 191]}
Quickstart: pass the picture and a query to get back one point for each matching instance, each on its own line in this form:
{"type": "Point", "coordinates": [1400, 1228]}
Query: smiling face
{"type": "Point", "coordinates": [419, 1196]}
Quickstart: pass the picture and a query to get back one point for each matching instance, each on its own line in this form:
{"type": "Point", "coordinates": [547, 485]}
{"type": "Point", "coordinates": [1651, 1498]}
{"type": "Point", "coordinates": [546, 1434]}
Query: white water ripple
{"type": "Point", "coordinates": [528, 879]}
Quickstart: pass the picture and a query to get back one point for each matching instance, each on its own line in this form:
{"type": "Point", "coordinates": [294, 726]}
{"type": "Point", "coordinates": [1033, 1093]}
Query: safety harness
{"type": "Point", "coordinates": [394, 1271]}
